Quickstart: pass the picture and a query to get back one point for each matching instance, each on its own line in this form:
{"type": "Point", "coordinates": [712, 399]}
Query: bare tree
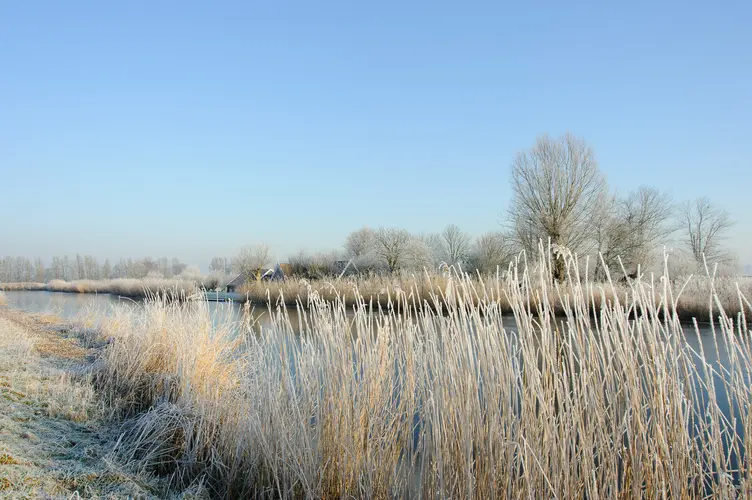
{"type": "Point", "coordinates": [392, 247]}
{"type": "Point", "coordinates": [557, 186]}
{"type": "Point", "coordinates": [455, 245]}
{"type": "Point", "coordinates": [316, 266]}
{"type": "Point", "coordinates": [91, 267]}
{"type": "Point", "coordinates": [630, 229]}
{"type": "Point", "coordinates": [491, 250]}
{"type": "Point", "coordinates": [360, 243]}
{"type": "Point", "coordinates": [251, 260]}
{"type": "Point", "coordinates": [38, 270]}
{"type": "Point", "coordinates": [220, 265]}
{"type": "Point", "coordinates": [421, 252]}
{"type": "Point", "coordinates": [106, 269]}
{"type": "Point", "coordinates": [191, 273]}
{"type": "Point", "coordinates": [705, 227]}
{"type": "Point", "coordinates": [176, 266]}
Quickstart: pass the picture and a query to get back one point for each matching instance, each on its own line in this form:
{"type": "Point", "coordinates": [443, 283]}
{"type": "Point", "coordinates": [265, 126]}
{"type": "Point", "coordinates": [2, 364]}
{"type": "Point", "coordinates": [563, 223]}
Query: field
{"type": "Point", "coordinates": [455, 400]}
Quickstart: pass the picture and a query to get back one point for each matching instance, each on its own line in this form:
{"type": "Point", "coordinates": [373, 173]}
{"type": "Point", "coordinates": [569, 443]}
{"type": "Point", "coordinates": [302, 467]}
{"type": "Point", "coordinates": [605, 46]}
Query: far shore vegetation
{"type": "Point", "coordinates": [561, 205]}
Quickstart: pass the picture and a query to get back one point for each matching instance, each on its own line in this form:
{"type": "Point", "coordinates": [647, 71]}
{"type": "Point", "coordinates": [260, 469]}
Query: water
{"type": "Point", "coordinates": [64, 305]}
{"type": "Point", "coordinates": [72, 306]}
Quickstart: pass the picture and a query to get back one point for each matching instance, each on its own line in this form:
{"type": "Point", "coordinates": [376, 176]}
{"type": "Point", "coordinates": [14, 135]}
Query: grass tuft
{"type": "Point", "coordinates": [6, 459]}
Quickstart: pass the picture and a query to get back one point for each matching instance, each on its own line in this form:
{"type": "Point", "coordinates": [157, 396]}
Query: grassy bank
{"type": "Point", "coordinates": [55, 438]}
{"type": "Point", "coordinates": [383, 404]}
{"type": "Point", "coordinates": [26, 286]}
{"type": "Point", "coordinates": [126, 287]}
{"type": "Point", "coordinates": [695, 297]}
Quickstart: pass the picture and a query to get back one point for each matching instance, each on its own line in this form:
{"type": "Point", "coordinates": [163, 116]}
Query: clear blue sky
{"type": "Point", "coordinates": [190, 129]}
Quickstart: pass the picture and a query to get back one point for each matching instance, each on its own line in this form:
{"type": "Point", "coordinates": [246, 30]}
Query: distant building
{"type": "Point", "coordinates": [278, 273]}
{"type": "Point", "coordinates": [340, 265]}
{"type": "Point", "coordinates": [236, 283]}
{"type": "Point", "coordinates": [748, 270]}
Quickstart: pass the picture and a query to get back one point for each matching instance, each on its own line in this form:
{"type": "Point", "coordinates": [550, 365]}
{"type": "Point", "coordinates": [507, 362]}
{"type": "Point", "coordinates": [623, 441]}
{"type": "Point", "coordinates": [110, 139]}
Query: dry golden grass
{"type": "Point", "coordinates": [23, 286]}
{"type": "Point", "coordinates": [128, 287]}
{"type": "Point", "coordinates": [696, 296]}
{"type": "Point", "coordinates": [6, 459]}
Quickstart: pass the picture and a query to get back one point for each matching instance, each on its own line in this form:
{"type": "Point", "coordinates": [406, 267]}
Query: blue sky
{"type": "Point", "coordinates": [190, 129]}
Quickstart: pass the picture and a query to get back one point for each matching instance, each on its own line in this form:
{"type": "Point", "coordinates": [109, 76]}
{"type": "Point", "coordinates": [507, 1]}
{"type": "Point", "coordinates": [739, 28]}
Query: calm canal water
{"type": "Point", "coordinates": [73, 306]}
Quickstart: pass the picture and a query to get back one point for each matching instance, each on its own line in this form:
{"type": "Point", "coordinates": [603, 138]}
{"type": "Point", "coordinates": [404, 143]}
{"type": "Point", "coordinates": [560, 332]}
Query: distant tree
{"type": "Point", "coordinates": [392, 246]}
{"type": "Point", "coordinates": [91, 267]}
{"type": "Point", "coordinates": [39, 270]}
{"type": "Point", "coordinates": [164, 267]}
{"type": "Point", "coordinates": [455, 245]}
{"type": "Point", "coordinates": [176, 266]}
{"type": "Point", "coordinates": [557, 189]}
{"type": "Point", "coordinates": [56, 268]}
{"type": "Point", "coordinates": [220, 265]}
{"type": "Point", "coordinates": [120, 269]}
{"type": "Point", "coordinates": [630, 229]}
{"type": "Point", "coordinates": [106, 270]}
{"type": "Point", "coordinates": [316, 266]}
{"type": "Point", "coordinates": [79, 269]}
{"type": "Point", "coordinates": [705, 227]}
{"type": "Point", "coordinates": [420, 253]}
{"type": "Point", "coordinates": [128, 268]}
{"type": "Point", "coordinates": [360, 243]}
{"type": "Point", "coordinates": [251, 260]}
{"type": "Point", "coordinates": [65, 264]}
{"type": "Point", "coordinates": [191, 273]}
{"type": "Point", "coordinates": [23, 269]}
{"type": "Point", "coordinates": [491, 251]}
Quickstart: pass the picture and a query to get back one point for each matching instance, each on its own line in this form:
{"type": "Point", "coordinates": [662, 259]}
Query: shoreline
{"type": "Point", "coordinates": [55, 439]}
{"type": "Point", "coordinates": [434, 294]}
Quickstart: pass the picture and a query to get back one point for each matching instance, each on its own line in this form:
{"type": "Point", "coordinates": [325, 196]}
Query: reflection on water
{"type": "Point", "coordinates": [73, 306]}
{"type": "Point", "coordinates": [64, 305]}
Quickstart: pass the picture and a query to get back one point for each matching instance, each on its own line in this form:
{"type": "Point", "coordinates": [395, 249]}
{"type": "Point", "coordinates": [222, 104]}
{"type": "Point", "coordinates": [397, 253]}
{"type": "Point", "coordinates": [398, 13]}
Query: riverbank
{"type": "Point", "coordinates": [178, 289]}
{"type": "Point", "coordinates": [693, 297]}
{"type": "Point", "coordinates": [55, 438]}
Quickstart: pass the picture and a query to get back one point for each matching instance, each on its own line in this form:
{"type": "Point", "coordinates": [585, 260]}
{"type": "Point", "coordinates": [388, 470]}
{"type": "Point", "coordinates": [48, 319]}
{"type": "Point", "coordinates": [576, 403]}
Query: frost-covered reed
{"type": "Point", "coordinates": [613, 399]}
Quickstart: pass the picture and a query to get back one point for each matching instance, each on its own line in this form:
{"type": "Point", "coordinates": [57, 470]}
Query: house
{"type": "Point", "coordinates": [279, 273]}
{"type": "Point", "coordinates": [276, 274]}
{"type": "Point", "coordinates": [235, 283]}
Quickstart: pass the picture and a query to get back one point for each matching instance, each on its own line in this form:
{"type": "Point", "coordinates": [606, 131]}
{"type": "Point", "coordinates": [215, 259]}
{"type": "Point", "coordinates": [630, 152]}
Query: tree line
{"type": "Point", "coordinates": [559, 197]}
{"type": "Point", "coordinates": [20, 269]}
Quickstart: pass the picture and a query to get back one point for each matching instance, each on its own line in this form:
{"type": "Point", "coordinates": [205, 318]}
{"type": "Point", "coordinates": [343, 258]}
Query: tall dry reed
{"type": "Point", "coordinates": [613, 399]}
